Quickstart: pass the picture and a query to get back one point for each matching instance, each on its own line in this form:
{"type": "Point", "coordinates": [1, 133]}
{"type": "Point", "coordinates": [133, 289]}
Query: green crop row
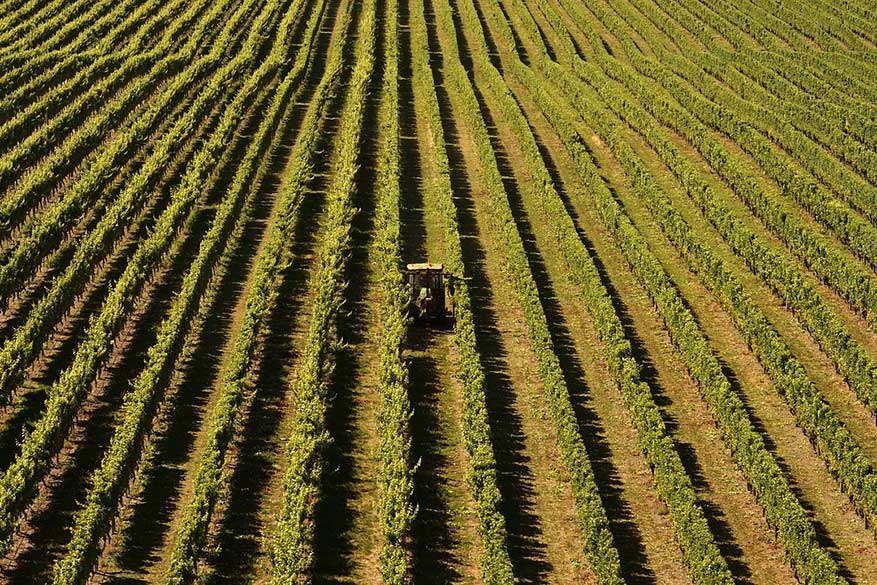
{"type": "Point", "coordinates": [802, 28]}
{"type": "Point", "coordinates": [30, 108]}
{"type": "Point", "coordinates": [71, 30]}
{"type": "Point", "coordinates": [852, 118]}
{"type": "Point", "coordinates": [798, 32]}
{"type": "Point", "coordinates": [103, 36]}
{"type": "Point", "coordinates": [780, 274]}
{"type": "Point", "coordinates": [860, 112]}
{"type": "Point", "coordinates": [826, 131]}
{"type": "Point", "coordinates": [806, 119]}
{"type": "Point", "coordinates": [781, 508]}
{"type": "Point", "coordinates": [18, 13]}
{"type": "Point", "coordinates": [843, 455]}
{"type": "Point", "coordinates": [495, 562]}
{"type": "Point", "coordinates": [25, 345]}
{"type": "Point", "coordinates": [795, 84]}
{"type": "Point", "coordinates": [672, 483]}
{"type": "Point", "coordinates": [34, 30]}
{"type": "Point", "coordinates": [39, 72]}
{"type": "Point", "coordinates": [849, 227]}
{"type": "Point", "coordinates": [39, 235]}
{"type": "Point", "coordinates": [20, 480]}
{"type": "Point", "coordinates": [851, 360]}
{"type": "Point", "coordinates": [845, 25]}
{"type": "Point", "coordinates": [598, 546]}
{"type": "Point", "coordinates": [771, 121]}
{"type": "Point", "coordinates": [26, 191]}
{"type": "Point", "coordinates": [765, 478]}
{"type": "Point", "coordinates": [292, 545]}
{"type": "Point", "coordinates": [397, 505]}
{"type": "Point", "coordinates": [845, 458]}
{"type": "Point", "coordinates": [25, 81]}
{"type": "Point", "coordinates": [832, 77]}
{"type": "Point", "coordinates": [37, 117]}
{"type": "Point", "coordinates": [854, 283]}
{"type": "Point", "coordinates": [273, 258]}
{"type": "Point", "coordinates": [200, 284]}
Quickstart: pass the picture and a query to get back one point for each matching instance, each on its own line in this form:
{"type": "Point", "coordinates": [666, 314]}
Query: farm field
{"type": "Point", "coordinates": [658, 225]}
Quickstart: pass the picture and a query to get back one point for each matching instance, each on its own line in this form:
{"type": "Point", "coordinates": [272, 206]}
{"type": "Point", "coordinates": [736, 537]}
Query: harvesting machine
{"type": "Point", "coordinates": [430, 299]}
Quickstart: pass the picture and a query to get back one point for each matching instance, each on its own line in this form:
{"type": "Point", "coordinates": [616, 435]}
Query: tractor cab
{"type": "Point", "coordinates": [430, 300]}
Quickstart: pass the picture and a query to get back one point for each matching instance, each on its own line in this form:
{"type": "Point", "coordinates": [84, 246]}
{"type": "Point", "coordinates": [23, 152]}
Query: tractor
{"type": "Point", "coordinates": [430, 300]}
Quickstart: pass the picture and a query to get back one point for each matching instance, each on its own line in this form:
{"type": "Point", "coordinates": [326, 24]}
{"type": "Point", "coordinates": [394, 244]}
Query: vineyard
{"type": "Point", "coordinates": [659, 219]}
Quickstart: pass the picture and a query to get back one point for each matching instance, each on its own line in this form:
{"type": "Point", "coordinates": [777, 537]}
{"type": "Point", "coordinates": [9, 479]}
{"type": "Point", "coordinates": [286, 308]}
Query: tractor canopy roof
{"type": "Point", "coordinates": [425, 266]}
